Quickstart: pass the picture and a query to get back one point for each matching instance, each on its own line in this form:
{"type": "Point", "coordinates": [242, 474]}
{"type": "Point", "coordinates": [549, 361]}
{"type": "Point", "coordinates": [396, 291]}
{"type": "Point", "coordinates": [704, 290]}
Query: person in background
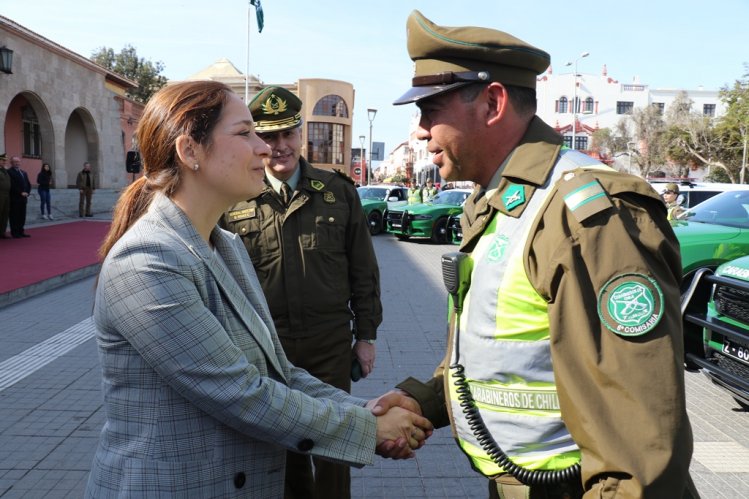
{"type": "Point", "coordinates": [86, 185]}
{"type": "Point", "coordinates": [309, 240]}
{"type": "Point", "coordinates": [566, 346]}
{"type": "Point", "coordinates": [44, 182]}
{"type": "Point", "coordinates": [20, 188]}
{"type": "Point", "coordinates": [671, 198]}
{"type": "Point", "coordinates": [414, 193]}
{"type": "Point", "coordinates": [4, 196]}
{"type": "Point", "coordinates": [429, 191]}
{"type": "Point", "coordinates": [199, 398]}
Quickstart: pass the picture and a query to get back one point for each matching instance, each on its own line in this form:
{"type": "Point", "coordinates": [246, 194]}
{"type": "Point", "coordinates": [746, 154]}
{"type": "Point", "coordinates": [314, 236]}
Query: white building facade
{"type": "Point", "coordinates": [602, 101]}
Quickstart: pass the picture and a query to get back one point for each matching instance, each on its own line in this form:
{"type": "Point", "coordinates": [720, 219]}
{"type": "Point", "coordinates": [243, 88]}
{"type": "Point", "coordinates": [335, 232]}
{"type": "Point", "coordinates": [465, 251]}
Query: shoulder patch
{"type": "Point", "coordinates": [630, 304]}
{"type": "Point", "coordinates": [583, 195]}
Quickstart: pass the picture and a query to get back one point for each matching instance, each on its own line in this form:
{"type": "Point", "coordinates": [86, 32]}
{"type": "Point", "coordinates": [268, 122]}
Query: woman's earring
{"type": "Point", "coordinates": [195, 167]}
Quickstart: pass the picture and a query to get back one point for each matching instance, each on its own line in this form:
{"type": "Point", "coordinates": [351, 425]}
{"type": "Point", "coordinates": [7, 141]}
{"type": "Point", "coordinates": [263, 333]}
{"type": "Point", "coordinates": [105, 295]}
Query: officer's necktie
{"type": "Point", "coordinates": [285, 193]}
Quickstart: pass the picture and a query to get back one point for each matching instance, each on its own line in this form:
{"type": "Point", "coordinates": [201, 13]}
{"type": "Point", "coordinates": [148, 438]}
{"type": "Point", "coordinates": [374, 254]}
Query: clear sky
{"type": "Point", "coordinates": [666, 44]}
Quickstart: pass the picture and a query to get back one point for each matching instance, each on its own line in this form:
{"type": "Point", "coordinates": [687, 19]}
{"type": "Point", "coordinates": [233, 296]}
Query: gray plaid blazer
{"type": "Point", "coordinates": [200, 400]}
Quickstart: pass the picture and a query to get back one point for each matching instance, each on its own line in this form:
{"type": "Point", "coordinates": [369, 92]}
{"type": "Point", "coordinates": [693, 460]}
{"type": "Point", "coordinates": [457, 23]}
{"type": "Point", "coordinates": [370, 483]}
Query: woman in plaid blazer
{"type": "Point", "coordinates": [200, 400]}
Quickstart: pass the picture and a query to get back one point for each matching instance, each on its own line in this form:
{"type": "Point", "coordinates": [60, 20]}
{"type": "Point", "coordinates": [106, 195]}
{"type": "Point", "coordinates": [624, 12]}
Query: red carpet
{"type": "Point", "coordinates": [49, 252]}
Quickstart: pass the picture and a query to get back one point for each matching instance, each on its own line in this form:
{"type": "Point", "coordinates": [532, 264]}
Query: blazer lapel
{"type": "Point", "coordinates": [257, 327]}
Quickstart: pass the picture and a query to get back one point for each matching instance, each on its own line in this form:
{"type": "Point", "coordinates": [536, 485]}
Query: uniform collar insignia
{"type": "Point", "coordinates": [513, 196]}
{"type": "Point", "coordinates": [317, 185]}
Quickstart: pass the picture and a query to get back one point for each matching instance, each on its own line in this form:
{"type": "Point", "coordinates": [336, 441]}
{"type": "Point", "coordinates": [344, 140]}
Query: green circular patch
{"type": "Point", "coordinates": [630, 304]}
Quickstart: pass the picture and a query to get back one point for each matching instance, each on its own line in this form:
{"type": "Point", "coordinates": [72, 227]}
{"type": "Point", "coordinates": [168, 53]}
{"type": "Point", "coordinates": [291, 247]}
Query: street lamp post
{"type": "Point", "coordinates": [371, 116]}
{"type": "Point", "coordinates": [574, 98]}
{"type": "Point", "coordinates": [361, 156]}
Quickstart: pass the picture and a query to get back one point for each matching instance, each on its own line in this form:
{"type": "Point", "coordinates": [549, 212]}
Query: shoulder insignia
{"type": "Point", "coordinates": [345, 177]}
{"type": "Point", "coordinates": [583, 195]}
{"type": "Point", "coordinates": [630, 304]}
{"type": "Point", "coordinates": [513, 196]}
{"type": "Point", "coordinates": [317, 185]}
{"type": "Point", "coordinates": [237, 215]}
{"type": "Point", "coordinates": [328, 197]}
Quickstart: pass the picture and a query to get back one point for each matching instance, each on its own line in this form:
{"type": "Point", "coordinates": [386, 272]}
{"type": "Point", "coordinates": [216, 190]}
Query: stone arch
{"type": "Point", "coordinates": [81, 145]}
{"type": "Point", "coordinates": [23, 106]}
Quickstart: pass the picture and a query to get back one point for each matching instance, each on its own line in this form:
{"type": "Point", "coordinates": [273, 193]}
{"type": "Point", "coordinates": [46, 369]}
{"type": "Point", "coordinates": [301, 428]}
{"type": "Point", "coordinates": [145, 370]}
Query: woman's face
{"type": "Point", "coordinates": [45, 167]}
{"type": "Point", "coordinates": [233, 165]}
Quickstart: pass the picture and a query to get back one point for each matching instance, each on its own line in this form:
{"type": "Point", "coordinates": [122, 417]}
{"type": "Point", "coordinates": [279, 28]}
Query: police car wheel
{"type": "Point", "coordinates": [375, 223]}
{"type": "Point", "coordinates": [439, 231]}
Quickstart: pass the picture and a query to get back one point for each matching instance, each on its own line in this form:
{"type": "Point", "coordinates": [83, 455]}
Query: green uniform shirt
{"type": "Point", "coordinates": [314, 258]}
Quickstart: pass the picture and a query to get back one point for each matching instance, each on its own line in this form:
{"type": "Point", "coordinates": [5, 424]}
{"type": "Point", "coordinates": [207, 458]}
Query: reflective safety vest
{"type": "Point", "coordinates": [503, 344]}
{"type": "Point", "coordinates": [414, 196]}
{"type": "Point", "coordinates": [428, 194]}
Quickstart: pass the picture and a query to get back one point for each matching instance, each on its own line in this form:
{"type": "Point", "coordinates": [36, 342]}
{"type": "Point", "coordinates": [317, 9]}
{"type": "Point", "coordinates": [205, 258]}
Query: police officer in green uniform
{"type": "Point", "coordinates": [4, 196]}
{"type": "Point", "coordinates": [414, 193]}
{"type": "Point", "coordinates": [429, 191]}
{"type": "Point", "coordinates": [564, 372]}
{"type": "Point", "coordinates": [671, 198]}
{"type": "Point", "coordinates": [309, 241]}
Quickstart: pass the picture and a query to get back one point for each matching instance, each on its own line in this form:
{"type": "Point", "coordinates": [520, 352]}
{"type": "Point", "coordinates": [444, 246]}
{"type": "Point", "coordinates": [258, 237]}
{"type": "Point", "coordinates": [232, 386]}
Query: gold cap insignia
{"type": "Point", "coordinates": [274, 105]}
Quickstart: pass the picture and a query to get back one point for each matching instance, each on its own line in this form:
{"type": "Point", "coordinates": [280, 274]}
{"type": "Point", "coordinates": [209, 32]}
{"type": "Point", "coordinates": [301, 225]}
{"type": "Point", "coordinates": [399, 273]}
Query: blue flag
{"type": "Point", "coordinates": [259, 13]}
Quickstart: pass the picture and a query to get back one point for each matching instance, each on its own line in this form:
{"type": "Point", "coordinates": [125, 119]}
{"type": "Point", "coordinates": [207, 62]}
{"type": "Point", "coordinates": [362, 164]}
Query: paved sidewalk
{"type": "Point", "coordinates": [50, 419]}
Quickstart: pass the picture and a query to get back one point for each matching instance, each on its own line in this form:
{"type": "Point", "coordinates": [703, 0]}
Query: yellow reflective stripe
{"type": "Point", "coordinates": [487, 467]}
{"type": "Point", "coordinates": [583, 195]}
{"type": "Point", "coordinates": [531, 400]}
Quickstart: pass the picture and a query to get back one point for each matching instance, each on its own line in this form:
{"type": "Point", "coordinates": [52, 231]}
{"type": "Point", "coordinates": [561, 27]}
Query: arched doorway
{"type": "Point", "coordinates": [29, 133]}
{"type": "Point", "coordinates": [81, 145]}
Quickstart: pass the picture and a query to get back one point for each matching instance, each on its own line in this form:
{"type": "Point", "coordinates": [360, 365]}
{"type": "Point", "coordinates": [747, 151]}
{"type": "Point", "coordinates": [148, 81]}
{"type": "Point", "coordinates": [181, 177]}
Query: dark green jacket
{"type": "Point", "coordinates": [314, 259]}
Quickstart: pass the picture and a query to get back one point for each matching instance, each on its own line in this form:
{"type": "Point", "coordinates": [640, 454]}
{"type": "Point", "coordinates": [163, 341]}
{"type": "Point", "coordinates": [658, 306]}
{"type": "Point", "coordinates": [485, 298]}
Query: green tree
{"type": "Point", "coordinates": [649, 128]}
{"type": "Point", "coordinates": [127, 63]}
{"type": "Point", "coordinates": [733, 128]}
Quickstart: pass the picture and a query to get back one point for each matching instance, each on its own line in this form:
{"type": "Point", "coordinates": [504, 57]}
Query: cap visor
{"type": "Point", "coordinates": [416, 94]}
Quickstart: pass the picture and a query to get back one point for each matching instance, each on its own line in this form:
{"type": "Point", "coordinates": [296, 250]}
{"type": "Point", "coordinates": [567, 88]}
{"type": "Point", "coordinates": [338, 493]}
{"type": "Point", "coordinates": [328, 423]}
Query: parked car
{"type": "Point", "coordinates": [377, 200]}
{"type": "Point", "coordinates": [710, 234]}
{"type": "Point", "coordinates": [692, 193]}
{"type": "Point", "coordinates": [427, 219]}
{"type": "Point", "coordinates": [713, 232]}
{"type": "Point", "coordinates": [717, 306]}
{"type": "Point", "coordinates": [454, 230]}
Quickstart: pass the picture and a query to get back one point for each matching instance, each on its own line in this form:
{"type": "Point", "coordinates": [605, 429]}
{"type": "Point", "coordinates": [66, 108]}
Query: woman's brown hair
{"type": "Point", "coordinates": [188, 108]}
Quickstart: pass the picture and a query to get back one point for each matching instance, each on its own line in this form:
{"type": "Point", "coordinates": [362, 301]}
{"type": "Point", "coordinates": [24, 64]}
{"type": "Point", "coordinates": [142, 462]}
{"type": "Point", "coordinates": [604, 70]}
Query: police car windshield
{"type": "Point", "coordinates": [730, 208]}
{"type": "Point", "coordinates": [455, 198]}
{"type": "Point", "coordinates": [372, 192]}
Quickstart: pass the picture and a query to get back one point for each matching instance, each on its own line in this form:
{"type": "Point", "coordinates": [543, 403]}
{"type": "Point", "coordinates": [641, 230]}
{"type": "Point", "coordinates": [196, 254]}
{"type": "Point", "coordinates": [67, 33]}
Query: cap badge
{"type": "Point", "coordinates": [274, 105]}
{"type": "Point", "coordinates": [513, 197]}
{"type": "Point", "coordinates": [317, 185]}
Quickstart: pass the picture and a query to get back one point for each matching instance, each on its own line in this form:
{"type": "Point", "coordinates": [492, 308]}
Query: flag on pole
{"type": "Point", "coordinates": [259, 13]}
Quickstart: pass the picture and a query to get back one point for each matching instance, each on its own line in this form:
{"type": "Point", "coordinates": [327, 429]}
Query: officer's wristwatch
{"type": "Point", "coordinates": [371, 342]}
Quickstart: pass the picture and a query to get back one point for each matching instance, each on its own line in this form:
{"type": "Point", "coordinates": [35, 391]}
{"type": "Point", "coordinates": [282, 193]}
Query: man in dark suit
{"type": "Point", "coordinates": [20, 187]}
{"type": "Point", "coordinates": [4, 197]}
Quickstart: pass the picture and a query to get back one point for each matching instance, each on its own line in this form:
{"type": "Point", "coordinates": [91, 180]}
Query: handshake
{"type": "Point", "coordinates": [401, 429]}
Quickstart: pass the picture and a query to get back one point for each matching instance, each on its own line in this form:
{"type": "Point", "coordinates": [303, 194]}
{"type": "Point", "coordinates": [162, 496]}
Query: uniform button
{"type": "Point", "coordinates": [239, 480]}
{"type": "Point", "coordinates": [243, 230]}
{"type": "Point", "coordinates": [305, 445]}
{"type": "Point", "coordinates": [331, 219]}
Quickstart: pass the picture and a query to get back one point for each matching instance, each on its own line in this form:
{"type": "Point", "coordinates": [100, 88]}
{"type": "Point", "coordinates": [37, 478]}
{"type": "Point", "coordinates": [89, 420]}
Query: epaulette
{"type": "Point", "coordinates": [344, 175]}
{"type": "Point", "coordinates": [583, 194]}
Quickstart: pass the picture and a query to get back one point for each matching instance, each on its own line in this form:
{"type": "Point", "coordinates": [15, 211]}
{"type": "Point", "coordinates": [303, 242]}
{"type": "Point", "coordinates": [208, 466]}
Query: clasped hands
{"type": "Point", "coordinates": [401, 428]}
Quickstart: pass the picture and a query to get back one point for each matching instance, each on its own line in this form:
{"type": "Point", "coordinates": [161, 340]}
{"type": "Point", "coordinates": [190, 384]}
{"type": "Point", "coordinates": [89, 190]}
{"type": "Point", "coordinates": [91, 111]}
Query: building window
{"type": "Point", "coordinates": [660, 107]}
{"type": "Point", "coordinates": [325, 143]}
{"type": "Point", "coordinates": [581, 142]}
{"type": "Point", "coordinates": [32, 139]}
{"type": "Point", "coordinates": [708, 110]}
{"type": "Point", "coordinates": [562, 105]}
{"type": "Point", "coordinates": [568, 141]}
{"type": "Point", "coordinates": [624, 107]}
{"type": "Point", "coordinates": [588, 106]}
{"type": "Point", "coordinates": [331, 105]}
